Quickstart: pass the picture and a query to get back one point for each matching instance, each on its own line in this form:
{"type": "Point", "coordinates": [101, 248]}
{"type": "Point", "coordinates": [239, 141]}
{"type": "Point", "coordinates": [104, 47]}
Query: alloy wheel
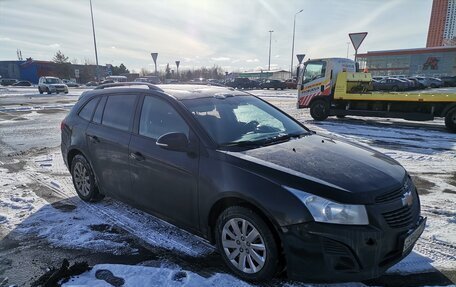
{"type": "Point", "coordinates": [82, 179]}
{"type": "Point", "coordinates": [243, 245]}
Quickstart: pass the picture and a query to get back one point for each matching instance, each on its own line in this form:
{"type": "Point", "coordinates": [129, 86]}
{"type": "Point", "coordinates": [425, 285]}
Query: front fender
{"type": "Point", "coordinates": [221, 179]}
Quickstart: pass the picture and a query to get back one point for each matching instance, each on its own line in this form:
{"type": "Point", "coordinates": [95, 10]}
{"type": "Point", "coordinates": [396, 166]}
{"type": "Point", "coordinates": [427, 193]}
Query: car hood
{"type": "Point", "coordinates": [329, 167]}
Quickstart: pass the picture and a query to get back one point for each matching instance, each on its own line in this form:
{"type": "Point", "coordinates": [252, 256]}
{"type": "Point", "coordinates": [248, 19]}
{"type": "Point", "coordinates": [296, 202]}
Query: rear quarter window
{"type": "Point", "coordinates": [87, 111]}
{"type": "Point", "coordinates": [99, 111]}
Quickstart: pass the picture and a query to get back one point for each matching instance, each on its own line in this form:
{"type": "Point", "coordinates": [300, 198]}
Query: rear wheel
{"type": "Point", "coordinates": [319, 110]}
{"type": "Point", "coordinates": [246, 244]}
{"type": "Point", "coordinates": [84, 180]}
{"type": "Point", "coordinates": [450, 120]}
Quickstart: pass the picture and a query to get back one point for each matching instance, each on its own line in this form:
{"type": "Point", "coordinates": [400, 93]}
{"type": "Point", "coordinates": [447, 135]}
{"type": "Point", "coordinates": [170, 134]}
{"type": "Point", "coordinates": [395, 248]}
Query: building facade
{"type": "Point", "coordinates": [437, 61]}
{"type": "Point", "coordinates": [32, 70]}
{"type": "Point", "coordinates": [442, 26]}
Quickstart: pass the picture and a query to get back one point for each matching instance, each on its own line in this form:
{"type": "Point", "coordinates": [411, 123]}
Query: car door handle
{"type": "Point", "coordinates": [137, 155]}
{"type": "Point", "coordinates": [94, 139]}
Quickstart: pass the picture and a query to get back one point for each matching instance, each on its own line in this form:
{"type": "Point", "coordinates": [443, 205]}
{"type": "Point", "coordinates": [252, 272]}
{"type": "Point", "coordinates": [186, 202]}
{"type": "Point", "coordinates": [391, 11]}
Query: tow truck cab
{"type": "Point", "coordinates": [317, 78]}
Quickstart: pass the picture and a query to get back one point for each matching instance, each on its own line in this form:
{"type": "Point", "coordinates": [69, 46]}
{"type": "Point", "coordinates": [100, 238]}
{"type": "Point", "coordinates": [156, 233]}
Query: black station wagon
{"type": "Point", "coordinates": [240, 173]}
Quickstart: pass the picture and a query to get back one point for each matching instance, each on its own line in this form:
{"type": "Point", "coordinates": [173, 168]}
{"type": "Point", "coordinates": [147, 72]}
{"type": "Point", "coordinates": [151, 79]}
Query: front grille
{"type": "Point", "coordinates": [395, 194]}
{"type": "Point", "coordinates": [398, 218]}
{"type": "Point", "coordinates": [390, 196]}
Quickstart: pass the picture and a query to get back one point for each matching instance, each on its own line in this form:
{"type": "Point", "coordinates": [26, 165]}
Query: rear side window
{"type": "Point", "coordinates": [159, 118]}
{"type": "Point", "coordinates": [99, 111]}
{"type": "Point", "coordinates": [119, 111]}
{"type": "Point", "coordinates": [87, 111]}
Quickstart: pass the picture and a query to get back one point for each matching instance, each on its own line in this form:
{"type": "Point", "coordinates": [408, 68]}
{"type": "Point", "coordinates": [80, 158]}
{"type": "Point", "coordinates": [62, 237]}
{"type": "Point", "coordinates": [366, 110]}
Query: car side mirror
{"type": "Point", "coordinates": [173, 141]}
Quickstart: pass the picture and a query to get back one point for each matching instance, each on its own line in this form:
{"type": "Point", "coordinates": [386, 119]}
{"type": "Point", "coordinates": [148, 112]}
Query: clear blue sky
{"type": "Point", "coordinates": [232, 34]}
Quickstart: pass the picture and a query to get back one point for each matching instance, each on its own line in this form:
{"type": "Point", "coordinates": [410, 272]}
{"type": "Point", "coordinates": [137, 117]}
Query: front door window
{"type": "Point", "coordinates": [314, 70]}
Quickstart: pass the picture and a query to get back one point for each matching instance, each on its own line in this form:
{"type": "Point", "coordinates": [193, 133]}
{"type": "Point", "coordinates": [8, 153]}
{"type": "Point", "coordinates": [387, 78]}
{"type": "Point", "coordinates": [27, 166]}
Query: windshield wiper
{"type": "Point", "coordinates": [242, 143]}
{"type": "Point", "coordinates": [281, 138]}
{"type": "Point", "coordinates": [263, 142]}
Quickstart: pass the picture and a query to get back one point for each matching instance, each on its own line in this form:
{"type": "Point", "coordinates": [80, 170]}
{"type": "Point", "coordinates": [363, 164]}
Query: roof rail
{"type": "Point", "coordinates": [124, 84]}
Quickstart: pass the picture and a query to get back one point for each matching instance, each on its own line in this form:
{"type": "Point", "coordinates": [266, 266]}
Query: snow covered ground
{"type": "Point", "coordinates": [37, 201]}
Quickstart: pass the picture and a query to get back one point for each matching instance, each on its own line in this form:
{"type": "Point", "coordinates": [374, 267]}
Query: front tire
{"type": "Point", "coordinates": [247, 244]}
{"type": "Point", "coordinates": [450, 120]}
{"type": "Point", "coordinates": [319, 110]}
{"type": "Point", "coordinates": [48, 91]}
{"type": "Point", "coordinates": [39, 90]}
{"type": "Point", "coordinates": [84, 180]}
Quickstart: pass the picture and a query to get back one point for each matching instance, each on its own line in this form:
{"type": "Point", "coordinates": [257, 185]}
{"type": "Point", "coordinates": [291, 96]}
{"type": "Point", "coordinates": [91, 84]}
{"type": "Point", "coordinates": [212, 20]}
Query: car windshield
{"type": "Point", "coordinates": [52, 81]}
{"type": "Point", "coordinates": [242, 121]}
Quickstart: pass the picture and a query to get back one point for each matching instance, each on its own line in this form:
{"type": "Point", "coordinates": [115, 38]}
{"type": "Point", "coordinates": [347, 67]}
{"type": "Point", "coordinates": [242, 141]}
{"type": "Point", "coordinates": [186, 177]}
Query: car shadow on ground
{"type": "Point", "coordinates": [67, 229]}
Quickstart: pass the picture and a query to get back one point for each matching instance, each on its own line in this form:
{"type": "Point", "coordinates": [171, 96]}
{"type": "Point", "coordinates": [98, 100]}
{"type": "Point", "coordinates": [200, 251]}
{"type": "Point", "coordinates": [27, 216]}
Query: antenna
{"type": "Point", "coordinates": [19, 54]}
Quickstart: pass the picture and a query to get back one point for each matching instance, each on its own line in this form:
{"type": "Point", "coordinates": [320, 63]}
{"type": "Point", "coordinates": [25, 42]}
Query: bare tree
{"type": "Point", "coordinates": [88, 61]}
{"type": "Point", "coordinates": [144, 72]}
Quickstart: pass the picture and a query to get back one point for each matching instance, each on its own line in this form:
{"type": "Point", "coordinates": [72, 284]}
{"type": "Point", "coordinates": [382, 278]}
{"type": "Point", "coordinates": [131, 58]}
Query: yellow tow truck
{"type": "Point", "coordinates": [333, 87]}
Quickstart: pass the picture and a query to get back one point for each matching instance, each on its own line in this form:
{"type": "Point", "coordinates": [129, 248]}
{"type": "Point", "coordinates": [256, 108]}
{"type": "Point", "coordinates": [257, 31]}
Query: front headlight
{"type": "Point", "coordinates": [327, 211]}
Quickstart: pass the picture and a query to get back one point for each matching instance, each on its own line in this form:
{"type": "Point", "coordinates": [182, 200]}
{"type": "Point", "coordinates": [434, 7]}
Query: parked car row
{"type": "Point", "coordinates": [15, 83]}
{"type": "Point", "coordinates": [403, 83]}
{"type": "Point", "coordinates": [245, 83]}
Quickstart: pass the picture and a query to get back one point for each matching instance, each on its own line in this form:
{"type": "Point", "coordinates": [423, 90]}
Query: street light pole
{"type": "Point", "coordinates": [94, 40]}
{"type": "Point", "coordinates": [270, 42]}
{"type": "Point", "coordinates": [292, 45]}
{"type": "Point", "coordinates": [348, 47]}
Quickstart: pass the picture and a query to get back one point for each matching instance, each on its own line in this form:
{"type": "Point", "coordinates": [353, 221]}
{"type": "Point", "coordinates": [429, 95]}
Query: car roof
{"type": "Point", "coordinates": [184, 91]}
{"type": "Point", "coordinates": [177, 91]}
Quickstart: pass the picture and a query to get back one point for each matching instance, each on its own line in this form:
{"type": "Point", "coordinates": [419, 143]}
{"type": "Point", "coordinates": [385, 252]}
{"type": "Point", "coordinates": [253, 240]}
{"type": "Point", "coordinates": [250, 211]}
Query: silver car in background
{"type": "Point", "coordinates": [51, 85]}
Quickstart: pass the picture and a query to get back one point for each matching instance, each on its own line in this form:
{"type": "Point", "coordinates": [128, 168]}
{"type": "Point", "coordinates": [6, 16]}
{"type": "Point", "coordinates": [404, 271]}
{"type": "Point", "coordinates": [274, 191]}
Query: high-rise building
{"type": "Point", "coordinates": [442, 27]}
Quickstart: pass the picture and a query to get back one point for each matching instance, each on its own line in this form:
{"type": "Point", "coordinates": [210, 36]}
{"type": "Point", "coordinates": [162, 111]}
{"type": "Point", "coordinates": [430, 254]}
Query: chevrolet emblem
{"type": "Point", "coordinates": [407, 199]}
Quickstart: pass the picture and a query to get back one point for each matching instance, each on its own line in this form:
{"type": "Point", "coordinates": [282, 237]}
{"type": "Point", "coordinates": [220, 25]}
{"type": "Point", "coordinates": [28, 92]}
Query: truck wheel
{"type": "Point", "coordinates": [39, 90]}
{"type": "Point", "coordinates": [319, 110]}
{"type": "Point", "coordinates": [450, 120]}
{"type": "Point", "coordinates": [48, 91]}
